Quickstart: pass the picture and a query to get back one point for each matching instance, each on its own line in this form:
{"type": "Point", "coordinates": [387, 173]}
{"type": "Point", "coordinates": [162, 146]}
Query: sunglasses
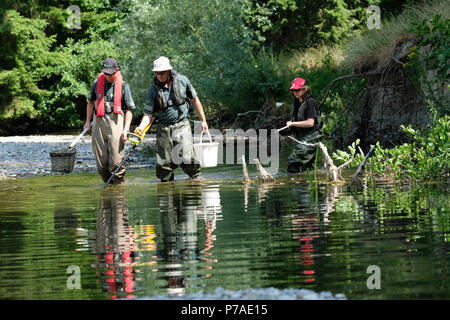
{"type": "Point", "coordinates": [159, 73]}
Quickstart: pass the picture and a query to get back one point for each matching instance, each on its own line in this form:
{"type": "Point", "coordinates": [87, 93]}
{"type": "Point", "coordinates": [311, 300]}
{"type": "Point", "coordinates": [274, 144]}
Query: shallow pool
{"type": "Point", "coordinates": [64, 237]}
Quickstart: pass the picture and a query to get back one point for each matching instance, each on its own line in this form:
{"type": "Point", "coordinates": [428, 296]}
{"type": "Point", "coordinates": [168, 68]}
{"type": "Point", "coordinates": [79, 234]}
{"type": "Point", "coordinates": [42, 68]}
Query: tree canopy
{"type": "Point", "coordinates": [232, 50]}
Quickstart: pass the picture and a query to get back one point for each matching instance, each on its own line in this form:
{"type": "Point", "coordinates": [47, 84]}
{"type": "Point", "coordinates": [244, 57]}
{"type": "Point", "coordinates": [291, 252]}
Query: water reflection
{"type": "Point", "coordinates": [304, 213]}
{"type": "Point", "coordinates": [169, 238]}
{"type": "Point", "coordinates": [116, 249]}
{"type": "Point", "coordinates": [64, 217]}
{"type": "Point", "coordinates": [275, 202]}
{"type": "Point", "coordinates": [210, 212]}
{"type": "Point", "coordinates": [180, 208]}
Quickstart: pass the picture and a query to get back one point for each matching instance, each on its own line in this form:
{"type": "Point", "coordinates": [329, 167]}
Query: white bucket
{"type": "Point", "coordinates": [211, 199]}
{"type": "Point", "coordinates": [206, 153]}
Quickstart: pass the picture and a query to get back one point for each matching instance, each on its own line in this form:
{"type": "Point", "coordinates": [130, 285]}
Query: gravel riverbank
{"type": "Point", "coordinates": [22, 156]}
{"type": "Point", "coordinates": [254, 294]}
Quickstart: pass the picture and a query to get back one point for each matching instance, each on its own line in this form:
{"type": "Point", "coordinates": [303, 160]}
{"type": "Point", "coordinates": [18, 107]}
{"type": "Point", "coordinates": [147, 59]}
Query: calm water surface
{"type": "Point", "coordinates": [148, 238]}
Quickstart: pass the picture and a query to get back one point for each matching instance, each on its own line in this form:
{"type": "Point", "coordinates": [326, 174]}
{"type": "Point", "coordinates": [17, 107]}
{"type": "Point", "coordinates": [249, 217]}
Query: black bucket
{"type": "Point", "coordinates": [63, 160]}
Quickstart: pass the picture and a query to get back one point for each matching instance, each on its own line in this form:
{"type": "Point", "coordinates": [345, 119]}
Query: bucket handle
{"type": "Point", "coordinates": [201, 136]}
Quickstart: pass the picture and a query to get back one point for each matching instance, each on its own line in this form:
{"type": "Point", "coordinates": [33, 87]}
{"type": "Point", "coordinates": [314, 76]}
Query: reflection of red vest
{"type": "Point", "coordinates": [127, 272]}
{"type": "Point", "coordinates": [101, 94]}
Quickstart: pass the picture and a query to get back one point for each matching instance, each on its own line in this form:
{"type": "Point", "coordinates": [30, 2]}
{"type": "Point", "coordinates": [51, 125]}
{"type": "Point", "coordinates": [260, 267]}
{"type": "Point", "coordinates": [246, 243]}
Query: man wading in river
{"type": "Point", "coordinates": [306, 124]}
{"type": "Point", "coordinates": [168, 96]}
{"type": "Point", "coordinates": [111, 103]}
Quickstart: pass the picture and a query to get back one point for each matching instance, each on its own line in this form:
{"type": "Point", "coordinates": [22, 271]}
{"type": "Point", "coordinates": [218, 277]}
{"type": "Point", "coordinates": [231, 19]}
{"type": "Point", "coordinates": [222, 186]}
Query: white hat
{"type": "Point", "coordinates": [161, 64]}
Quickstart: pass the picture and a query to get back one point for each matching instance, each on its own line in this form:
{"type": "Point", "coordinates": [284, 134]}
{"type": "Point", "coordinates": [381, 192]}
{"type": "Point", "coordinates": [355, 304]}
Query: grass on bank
{"type": "Point", "coordinates": [376, 46]}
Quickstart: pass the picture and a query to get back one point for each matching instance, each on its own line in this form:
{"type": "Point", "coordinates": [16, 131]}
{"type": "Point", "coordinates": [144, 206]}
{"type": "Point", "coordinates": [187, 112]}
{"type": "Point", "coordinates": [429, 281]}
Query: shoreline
{"type": "Point", "coordinates": [29, 156]}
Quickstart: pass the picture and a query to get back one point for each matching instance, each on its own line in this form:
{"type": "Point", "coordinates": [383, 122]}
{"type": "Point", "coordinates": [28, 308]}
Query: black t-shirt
{"type": "Point", "coordinates": [304, 111]}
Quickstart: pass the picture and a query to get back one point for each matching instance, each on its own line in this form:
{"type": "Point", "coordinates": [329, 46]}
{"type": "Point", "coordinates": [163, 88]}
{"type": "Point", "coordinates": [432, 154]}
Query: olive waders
{"type": "Point", "coordinates": [173, 148]}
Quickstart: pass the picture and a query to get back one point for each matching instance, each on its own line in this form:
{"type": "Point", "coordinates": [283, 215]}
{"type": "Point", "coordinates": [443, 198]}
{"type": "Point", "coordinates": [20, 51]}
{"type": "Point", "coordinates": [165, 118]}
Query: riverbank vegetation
{"type": "Point", "coordinates": [237, 53]}
{"type": "Point", "coordinates": [50, 55]}
{"type": "Point", "coordinates": [426, 154]}
{"type": "Point", "coordinates": [240, 56]}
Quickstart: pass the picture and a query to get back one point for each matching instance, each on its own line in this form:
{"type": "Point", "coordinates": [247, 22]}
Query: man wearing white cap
{"type": "Point", "coordinates": [169, 97]}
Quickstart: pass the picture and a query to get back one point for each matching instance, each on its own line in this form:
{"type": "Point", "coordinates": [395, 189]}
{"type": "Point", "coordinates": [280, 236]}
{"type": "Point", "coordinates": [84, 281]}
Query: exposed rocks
{"type": "Point", "coordinates": [22, 156]}
{"type": "Point", "coordinates": [254, 294]}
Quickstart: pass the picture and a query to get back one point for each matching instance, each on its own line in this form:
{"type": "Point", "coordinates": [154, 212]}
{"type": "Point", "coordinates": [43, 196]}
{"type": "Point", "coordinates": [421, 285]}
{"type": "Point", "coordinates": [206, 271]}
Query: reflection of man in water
{"type": "Point", "coordinates": [115, 243]}
{"type": "Point", "coordinates": [178, 208]}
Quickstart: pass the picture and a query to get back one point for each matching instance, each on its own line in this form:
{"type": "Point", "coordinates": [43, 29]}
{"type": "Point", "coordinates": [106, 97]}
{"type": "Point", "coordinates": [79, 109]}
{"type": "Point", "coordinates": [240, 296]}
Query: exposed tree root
{"type": "Point", "coordinates": [360, 167]}
{"type": "Point", "coordinates": [263, 174]}
{"type": "Point", "coordinates": [244, 169]}
{"type": "Point", "coordinates": [330, 167]}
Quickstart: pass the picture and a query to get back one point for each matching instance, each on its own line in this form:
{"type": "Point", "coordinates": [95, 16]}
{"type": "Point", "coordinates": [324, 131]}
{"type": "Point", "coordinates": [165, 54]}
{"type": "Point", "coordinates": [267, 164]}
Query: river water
{"type": "Point", "coordinates": [64, 237]}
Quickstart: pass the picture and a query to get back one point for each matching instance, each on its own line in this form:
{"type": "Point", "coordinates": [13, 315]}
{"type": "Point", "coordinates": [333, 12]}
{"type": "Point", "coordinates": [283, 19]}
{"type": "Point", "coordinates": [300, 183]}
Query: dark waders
{"type": "Point", "coordinates": [303, 156]}
{"type": "Point", "coordinates": [173, 149]}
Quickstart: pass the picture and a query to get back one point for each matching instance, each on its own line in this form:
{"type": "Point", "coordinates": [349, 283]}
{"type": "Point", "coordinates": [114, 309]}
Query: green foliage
{"type": "Point", "coordinates": [432, 55]}
{"type": "Point", "coordinates": [205, 40]}
{"type": "Point", "coordinates": [336, 21]}
{"type": "Point", "coordinates": [257, 17]}
{"type": "Point", "coordinates": [426, 158]}
{"type": "Point", "coordinates": [47, 67]}
{"type": "Point", "coordinates": [391, 162]}
{"type": "Point", "coordinates": [299, 24]}
{"type": "Point", "coordinates": [353, 157]}
{"type": "Point", "coordinates": [375, 47]}
{"type": "Point", "coordinates": [25, 59]}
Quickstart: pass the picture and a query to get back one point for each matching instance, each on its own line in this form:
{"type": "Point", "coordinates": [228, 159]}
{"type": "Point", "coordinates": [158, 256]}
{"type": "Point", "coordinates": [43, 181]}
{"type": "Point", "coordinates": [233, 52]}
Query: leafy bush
{"type": "Point", "coordinates": [46, 67]}
{"type": "Point", "coordinates": [25, 59]}
{"type": "Point", "coordinates": [353, 157]}
{"type": "Point", "coordinates": [432, 55]}
{"type": "Point", "coordinates": [205, 40]}
{"type": "Point", "coordinates": [427, 157]}
{"type": "Point", "coordinates": [429, 154]}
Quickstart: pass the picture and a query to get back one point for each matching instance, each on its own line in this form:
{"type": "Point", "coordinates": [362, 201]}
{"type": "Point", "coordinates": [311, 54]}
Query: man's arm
{"type": "Point", "coordinates": [146, 119]}
{"type": "Point", "coordinates": [199, 109]}
{"type": "Point", "coordinates": [127, 122]}
{"type": "Point", "coordinates": [89, 114]}
{"type": "Point", "coordinates": [308, 123]}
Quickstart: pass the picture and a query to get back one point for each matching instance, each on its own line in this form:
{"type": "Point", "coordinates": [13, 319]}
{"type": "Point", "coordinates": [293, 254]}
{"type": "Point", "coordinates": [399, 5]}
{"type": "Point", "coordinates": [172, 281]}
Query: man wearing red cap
{"type": "Point", "coordinates": [111, 103]}
{"type": "Point", "coordinates": [306, 124]}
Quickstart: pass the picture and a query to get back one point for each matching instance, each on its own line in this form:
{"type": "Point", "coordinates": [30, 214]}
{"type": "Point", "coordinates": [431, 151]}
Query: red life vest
{"type": "Point", "coordinates": [101, 94]}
